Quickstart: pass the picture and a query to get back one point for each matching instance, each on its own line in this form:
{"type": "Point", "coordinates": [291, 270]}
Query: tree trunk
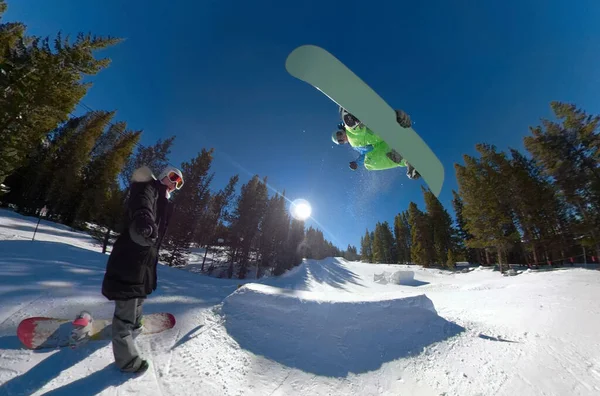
{"type": "Point", "coordinates": [204, 258]}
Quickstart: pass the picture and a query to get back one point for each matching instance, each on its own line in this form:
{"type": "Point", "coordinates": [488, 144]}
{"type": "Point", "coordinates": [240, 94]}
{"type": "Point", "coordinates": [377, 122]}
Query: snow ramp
{"type": "Point", "coordinates": [317, 333]}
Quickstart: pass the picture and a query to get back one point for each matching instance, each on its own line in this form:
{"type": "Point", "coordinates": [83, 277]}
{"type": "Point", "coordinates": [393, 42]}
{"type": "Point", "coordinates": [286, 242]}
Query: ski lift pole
{"type": "Point", "coordinates": [42, 213]}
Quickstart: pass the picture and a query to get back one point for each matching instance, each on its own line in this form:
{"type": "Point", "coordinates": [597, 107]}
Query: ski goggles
{"type": "Point", "coordinates": [340, 137]}
{"type": "Point", "coordinates": [174, 177]}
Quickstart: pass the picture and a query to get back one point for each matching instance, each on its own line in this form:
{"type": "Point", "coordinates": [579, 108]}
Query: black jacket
{"type": "Point", "coordinates": [131, 267]}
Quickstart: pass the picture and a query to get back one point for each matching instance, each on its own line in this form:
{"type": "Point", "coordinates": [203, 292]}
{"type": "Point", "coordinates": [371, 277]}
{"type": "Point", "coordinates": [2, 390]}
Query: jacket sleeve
{"type": "Point", "coordinates": [363, 151]}
{"type": "Point", "coordinates": [142, 200]}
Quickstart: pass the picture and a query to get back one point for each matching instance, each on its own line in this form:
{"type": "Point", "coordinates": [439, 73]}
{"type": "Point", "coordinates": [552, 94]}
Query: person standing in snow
{"type": "Point", "coordinates": [375, 153]}
{"type": "Point", "coordinates": [131, 270]}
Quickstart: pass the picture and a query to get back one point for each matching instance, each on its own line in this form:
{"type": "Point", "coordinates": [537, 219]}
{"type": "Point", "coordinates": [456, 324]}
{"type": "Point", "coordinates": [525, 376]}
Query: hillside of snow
{"type": "Point", "coordinates": [327, 327]}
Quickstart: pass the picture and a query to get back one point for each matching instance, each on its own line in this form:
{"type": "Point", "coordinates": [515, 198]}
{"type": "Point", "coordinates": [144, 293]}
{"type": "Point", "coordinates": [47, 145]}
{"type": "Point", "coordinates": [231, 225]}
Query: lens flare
{"type": "Point", "coordinates": [300, 209]}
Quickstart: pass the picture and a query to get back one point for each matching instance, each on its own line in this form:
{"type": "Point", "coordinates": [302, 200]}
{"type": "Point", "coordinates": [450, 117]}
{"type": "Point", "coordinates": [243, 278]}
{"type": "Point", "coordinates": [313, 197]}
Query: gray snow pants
{"type": "Point", "coordinates": [128, 316]}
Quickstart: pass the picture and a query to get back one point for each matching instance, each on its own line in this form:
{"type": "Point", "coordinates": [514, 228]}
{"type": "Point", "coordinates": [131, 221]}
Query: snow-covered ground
{"type": "Point", "coordinates": [325, 328]}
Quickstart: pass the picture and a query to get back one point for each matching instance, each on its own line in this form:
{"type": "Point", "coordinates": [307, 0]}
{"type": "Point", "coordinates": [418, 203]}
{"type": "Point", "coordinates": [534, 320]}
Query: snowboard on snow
{"type": "Point", "coordinates": [323, 71]}
{"type": "Point", "coordinates": [46, 333]}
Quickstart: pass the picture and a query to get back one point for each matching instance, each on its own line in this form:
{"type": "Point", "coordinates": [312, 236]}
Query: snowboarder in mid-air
{"type": "Point", "coordinates": [375, 153]}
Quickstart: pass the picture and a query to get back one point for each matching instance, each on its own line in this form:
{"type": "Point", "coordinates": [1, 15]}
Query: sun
{"type": "Point", "coordinates": [301, 209]}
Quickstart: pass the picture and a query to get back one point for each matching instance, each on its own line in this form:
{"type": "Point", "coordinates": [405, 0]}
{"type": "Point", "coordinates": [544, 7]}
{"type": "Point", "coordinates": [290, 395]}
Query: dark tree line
{"type": "Point", "coordinates": [540, 208]}
{"type": "Point", "coordinates": [422, 237]}
{"type": "Point", "coordinates": [80, 167]}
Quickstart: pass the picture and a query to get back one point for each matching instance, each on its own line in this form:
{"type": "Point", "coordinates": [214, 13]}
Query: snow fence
{"type": "Point", "coordinates": [331, 335]}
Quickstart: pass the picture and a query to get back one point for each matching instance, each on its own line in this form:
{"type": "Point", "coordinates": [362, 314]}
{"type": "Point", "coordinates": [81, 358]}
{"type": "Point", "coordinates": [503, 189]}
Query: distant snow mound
{"type": "Point", "coordinates": [316, 334]}
{"type": "Point", "coordinates": [406, 278]}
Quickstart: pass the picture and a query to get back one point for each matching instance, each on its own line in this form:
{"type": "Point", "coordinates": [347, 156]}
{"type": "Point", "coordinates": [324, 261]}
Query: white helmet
{"type": "Point", "coordinates": [173, 174]}
{"type": "Point", "coordinates": [334, 137]}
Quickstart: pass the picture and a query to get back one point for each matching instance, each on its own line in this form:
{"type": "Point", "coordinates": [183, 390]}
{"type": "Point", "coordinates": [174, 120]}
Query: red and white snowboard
{"type": "Point", "coordinates": [46, 333]}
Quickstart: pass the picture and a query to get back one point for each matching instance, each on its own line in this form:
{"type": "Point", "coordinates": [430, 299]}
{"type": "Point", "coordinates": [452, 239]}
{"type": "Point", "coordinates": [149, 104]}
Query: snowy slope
{"type": "Point", "coordinates": [324, 328]}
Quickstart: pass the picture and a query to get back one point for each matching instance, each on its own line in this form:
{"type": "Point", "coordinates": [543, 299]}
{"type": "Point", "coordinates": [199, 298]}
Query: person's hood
{"type": "Point", "coordinates": [142, 175]}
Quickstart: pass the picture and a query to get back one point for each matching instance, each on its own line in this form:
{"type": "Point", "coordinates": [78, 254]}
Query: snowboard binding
{"type": "Point", "coordinates": [403, 119]}
{"type": "Point", "coordinates": [82, 328]}
{"type": "Point", "coordinates": [411, 172]}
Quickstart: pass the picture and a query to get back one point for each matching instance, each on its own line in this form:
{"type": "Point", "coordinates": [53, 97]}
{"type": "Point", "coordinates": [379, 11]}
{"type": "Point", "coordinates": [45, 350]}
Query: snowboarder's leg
{"type": "Point", "coordinates": [378, 159]}
{"type": "Point", "coordinates": [125, 352]}
{"type": "Point", "coordinates": [403, 119]}
{"type": "Point", "coordinates": [396, 157]}
{"type": "Point", "coordinates": [137, 329]}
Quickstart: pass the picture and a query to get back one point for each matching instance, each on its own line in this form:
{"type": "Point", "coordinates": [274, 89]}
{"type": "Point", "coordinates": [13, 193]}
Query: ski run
{"type": "Point", "coordinates": [327, 327]}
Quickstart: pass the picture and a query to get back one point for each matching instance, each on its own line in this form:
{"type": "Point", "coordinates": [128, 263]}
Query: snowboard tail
{"type": "Point", "coordinates": [326, 73]}
{"type": "Point", "coordinates": [46, 333]}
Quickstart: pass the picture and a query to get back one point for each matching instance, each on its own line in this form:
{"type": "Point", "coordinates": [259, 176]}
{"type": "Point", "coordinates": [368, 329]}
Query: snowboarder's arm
{"type": "Point", "coordinates": [363, 151]}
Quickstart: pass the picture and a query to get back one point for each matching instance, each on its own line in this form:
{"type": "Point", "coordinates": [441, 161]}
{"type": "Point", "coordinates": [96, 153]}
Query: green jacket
{"type": "Point", "coordinates": [376, 159]}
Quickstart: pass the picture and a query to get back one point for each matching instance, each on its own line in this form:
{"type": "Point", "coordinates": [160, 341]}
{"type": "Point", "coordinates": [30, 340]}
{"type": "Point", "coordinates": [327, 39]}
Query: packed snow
{"type": "Point", "coordinates": [327, 327]}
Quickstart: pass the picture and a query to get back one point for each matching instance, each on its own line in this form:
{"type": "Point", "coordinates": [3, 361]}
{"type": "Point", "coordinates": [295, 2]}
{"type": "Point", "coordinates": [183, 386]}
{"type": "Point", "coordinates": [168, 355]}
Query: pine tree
{"type": "Point", "coordinates": [422, 241]}
{"type": "Point", "coordinates": [383, 244]}
{"type": "Point", "coordinates": [191, 203]}
{"type": "Point", "coordinates": [403, 237]}
{"type": "Point", "coordinates": [450, 260]}
{"type": "Point", "coordinates": [154, 157]}
{"type": "Point", "coordinates": [41, 83]}
{"type": "Point", "coordinates": [487, 210]}
{"type": "Point", "coordinates": [538, 211]}
{"type": "Point", "coordinates": [250, 210]}
{"type": "Point", "coordinates": [379, 252]}
{"type": "Point", "coordinates": [441, 226]}
{"type": "Point", "coordinates": [351, 253]}
{"type": "Point", "coordinates": [71, 155]}
{"type": "Point", "coordinates": [101, 173]}
{"type": "Point", "coordinates": [207, 229]}
{"type": "Point", "coordinates": [569, 153]}
{"type": "Point", "coordinates": [366, 248]}
{"type": "Point", "coordinates": [111, 218]}
{"type": "Point", "coordinates": [293, 252]}
{"type": "Point", "coordinates": [273, 232]}
{"type": "Point", "coordinates": [471, 255]}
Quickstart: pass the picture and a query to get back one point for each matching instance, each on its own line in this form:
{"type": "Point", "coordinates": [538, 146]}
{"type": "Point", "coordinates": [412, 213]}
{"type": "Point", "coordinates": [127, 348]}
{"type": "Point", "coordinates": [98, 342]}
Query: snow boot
{"type": "Point", "coordinates": [394, 156]}
{"type": "Point", "coordinates": [142, 369]}
{"type": "Point", "coordinates": [403, 119]}
{"type": "Point", "coordinates": [411, 172]}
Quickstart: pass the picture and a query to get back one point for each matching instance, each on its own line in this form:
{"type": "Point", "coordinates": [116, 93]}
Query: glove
{"type": "Point", "coordinates": [145, 227]}
{"type": "Point", "coordinates": [353, 165]}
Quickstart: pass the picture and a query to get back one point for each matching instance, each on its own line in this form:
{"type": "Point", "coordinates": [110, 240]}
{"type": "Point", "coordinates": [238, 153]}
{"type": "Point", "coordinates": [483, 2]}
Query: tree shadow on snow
{"type": "Point", "coordinates": [336, 339]}
{"type": "Point", "coordinates": [48, 369]}
{"type": "Point", "coordinates": [332, 273]}
{"type": "Point", "coordinates": [329, 271]}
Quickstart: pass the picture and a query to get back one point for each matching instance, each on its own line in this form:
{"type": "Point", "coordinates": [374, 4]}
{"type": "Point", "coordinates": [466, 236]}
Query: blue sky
{"type": "Point", "coordinates": [213, 73]}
